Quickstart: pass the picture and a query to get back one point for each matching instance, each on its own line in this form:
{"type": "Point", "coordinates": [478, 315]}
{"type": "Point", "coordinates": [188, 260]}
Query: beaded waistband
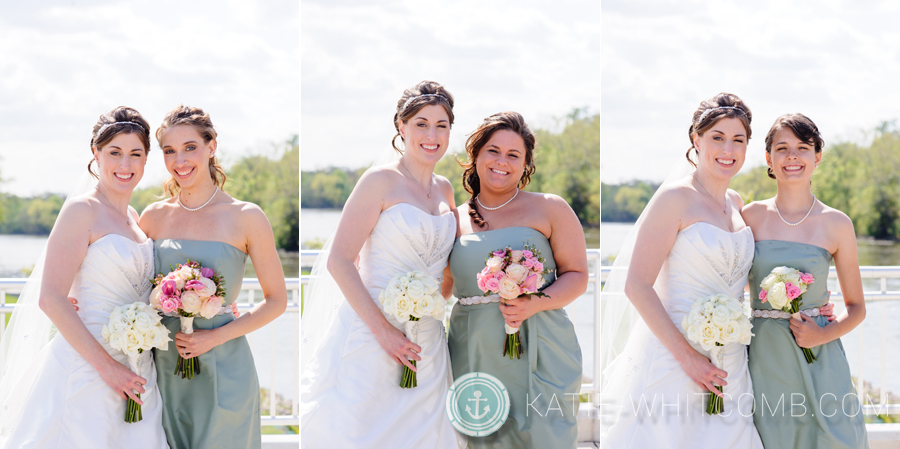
{"type": "Point", "coordinates": [761, 313]}
{"type": "Point", "coordinates": [472, 300]}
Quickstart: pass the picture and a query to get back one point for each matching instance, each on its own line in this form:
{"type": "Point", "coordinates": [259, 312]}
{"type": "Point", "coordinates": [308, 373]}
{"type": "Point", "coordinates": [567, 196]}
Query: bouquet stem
{"type": "Point", "coordinates": [408, 379]}
{"type": "Point", "coordinates": [133, 410]}
{"type": "Point", "coordinates": [716, 404]}
{"type": "Point", "coordinates": [807, 352]}
{"type": "Point", "coordinates": [187, 367]}
{"type": "Point", "coordinates": [513, 346]}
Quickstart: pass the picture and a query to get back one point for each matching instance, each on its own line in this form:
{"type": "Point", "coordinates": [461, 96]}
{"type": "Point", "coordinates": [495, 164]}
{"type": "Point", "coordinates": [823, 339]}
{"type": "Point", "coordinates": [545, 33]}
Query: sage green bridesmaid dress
{"type": "Point", "coordinates": [218, 408]}
{"type": "Point", "coordinates": [818, 406]}
{"type": "Point", "coordinates": [545, 381]}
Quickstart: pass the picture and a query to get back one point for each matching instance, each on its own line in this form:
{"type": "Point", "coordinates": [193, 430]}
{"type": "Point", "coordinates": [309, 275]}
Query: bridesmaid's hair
{"type": "Point", "coordinates": [189, 115]}
{"type": "Point", "coordinates": [712, 110]}
{"type": "Point", "coordinates": [417, 97]}
{"type": "Point", "coordinates": [118, 121]}
{"type": "Point", "coordinates": [511, 121]}
{"type": "Point", "coordinates": [802, 127]}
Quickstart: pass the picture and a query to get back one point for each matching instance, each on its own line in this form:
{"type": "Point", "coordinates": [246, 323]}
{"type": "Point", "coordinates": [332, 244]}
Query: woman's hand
{"type": "Point", "coordinates": [74, 303]}
{"type": "Point", "coordinates": [196, 344]}
{"type": "Point", "coordinates": [807, 332]}
{"type": "Point", "coordinates": [124, 382]}
{"type": "Point", "coordinates": [703, 372]}
{"type": "Point", "coordinates": [517, 310]}
{"type": "Point", "coordinates": [828, 310]}
{"type": "Point", "coordinates": [398, 346]}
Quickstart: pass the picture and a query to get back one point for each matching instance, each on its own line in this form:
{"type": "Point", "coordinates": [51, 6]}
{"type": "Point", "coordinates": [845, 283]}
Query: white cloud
{"type": "Point", "coordinates": [66, 64]}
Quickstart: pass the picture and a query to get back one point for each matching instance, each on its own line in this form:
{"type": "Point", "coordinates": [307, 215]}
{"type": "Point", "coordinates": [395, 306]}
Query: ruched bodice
{"type": "Point", "coordinates": [350, 391]}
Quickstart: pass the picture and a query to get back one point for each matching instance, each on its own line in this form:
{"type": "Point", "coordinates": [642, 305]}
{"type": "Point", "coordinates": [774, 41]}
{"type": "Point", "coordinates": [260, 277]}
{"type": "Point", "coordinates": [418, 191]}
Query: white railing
{"type": "Point", "coordinates": [246, 302]}
{"type": "Point", "coordinates": [881, 296]}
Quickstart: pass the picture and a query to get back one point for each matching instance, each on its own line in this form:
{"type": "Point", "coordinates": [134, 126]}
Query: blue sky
{"type": "Point", "coordinates": [66, 62]}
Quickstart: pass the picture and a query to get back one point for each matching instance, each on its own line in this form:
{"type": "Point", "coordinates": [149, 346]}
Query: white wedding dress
{"type": "Point", "coordinates": [650, 399]}
{"type": "Point", "coordinates": [66, 404]}
{"type": "Point", "coordinates": [349, 393]}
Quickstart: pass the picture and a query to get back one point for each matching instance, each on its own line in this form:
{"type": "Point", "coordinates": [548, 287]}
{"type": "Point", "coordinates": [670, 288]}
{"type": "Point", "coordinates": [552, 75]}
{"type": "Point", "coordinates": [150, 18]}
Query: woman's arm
{"type": "Point", "coordinates": [570, 254]}
{"type": "Point", "coordinates": [807, 333]}
{"type": "Point", "coordinates": [264, 255]}
{"type": "Point", "coordinates": [66, 249]}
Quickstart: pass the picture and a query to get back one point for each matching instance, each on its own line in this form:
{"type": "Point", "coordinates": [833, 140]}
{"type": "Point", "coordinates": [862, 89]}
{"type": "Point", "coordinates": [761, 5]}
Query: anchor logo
{"type": "Point", "coordinates": [487, 408]}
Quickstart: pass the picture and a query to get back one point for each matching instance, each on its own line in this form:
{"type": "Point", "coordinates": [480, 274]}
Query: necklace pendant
{"type": "Point", "coordinates": [429, 195]}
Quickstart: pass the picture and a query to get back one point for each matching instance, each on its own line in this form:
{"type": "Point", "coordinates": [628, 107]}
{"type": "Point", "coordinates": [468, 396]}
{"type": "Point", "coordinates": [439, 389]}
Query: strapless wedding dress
{"type": "Point", "coordinates": [350, 392]}
{"type": "Point", "coordinates": [69, 405]}
{"type": "Point", "coordinates": [655, 403]}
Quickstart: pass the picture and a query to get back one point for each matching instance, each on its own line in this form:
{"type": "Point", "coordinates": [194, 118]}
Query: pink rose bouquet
{"type": "Point", "coordinates": [188, 291]}
{"type": "Point", "coordinates": [509, 274]}
{"type": "Point", "coordinates": [782, 289]}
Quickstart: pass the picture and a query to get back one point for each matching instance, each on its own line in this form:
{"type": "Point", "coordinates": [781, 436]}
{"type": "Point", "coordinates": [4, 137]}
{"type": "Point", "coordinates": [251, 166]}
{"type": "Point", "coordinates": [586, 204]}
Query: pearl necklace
{"type": "Point", "coordinates": [801, 220]}
{"type": "Point", "coordinates": [197, 208]}
{"type": "Point", "coordinates": [498, 207]}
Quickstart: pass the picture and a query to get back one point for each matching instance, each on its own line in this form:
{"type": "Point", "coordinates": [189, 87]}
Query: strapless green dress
{"type": "Point", "coordinates": [219, 408]}
{"type": "Point", "coordinates": [544, 383]}
{"type": "Point", "coordinates": [818, 405]}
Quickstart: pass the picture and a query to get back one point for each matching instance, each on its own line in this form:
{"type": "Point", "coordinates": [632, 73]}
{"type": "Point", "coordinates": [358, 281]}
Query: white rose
{"type": "Point", "coordinates": [403, 282]}
{"type": "Point", "coordinates": [387, 306]}
{"type": "Point", "coordinates": [402, 308]}
{"type": "Point", "coordinates": [777, 296]}
{"type": "Point", "coordinates": [793, 278]}
{"type": "Point", "coordinates": [431, 285]}
{"type": "Point", "coordinates": [191, 302]}
{"type": "Point", "coordinates": [440, 308]}
{"type": "Point", "coordinates": [142, 322]}
{"type": "Point", "coordinates": [781, 271]}
{"type": "Point", "coordinates": [517, 272]}
{"type": "Point", "coordinates": [731, 332]}
{"type": "Point", "coordinates": [415, 290]}
{"type": "Point", "coordinates": [120, 323]}
{"type": "Point", "coordinates": [517, 255]}
{"type": "Point", "coordinates": [129, 313]}
{"type": "Point", "coordinates": [696, 318]}
{"type": "Point", "coordinates": [721, 315]}
{"type": "Point", "coordinates": [709, 335]}
{"type": "Point", "coordinates": [211, 306]}
{"type": "Point", "coordinates": [104, 331]}
{"type": "Point", "coordinates": [133, 341]}
{"type": "Point", "coordinates": [735, 307]}
{"type": "Point", "coordinates": [157, 337]}
{"type": "Point", "coordinates": [424, 306]}
{"type": "Point", "coordinates": [746, 335]}
{"type": "Point", "coordinates": [509, 288]}
{"type": "Point", "coordinates": [185, 273]}
{"type": "Point", "coordinates": [708, 308]}
{"type": "Point", "coordinates": [494, 263]}
{"type": "Point", "coordinates": [768, 282]}
{"type": "Point", "coordinates": [117, 340]}
{"type": "Point", "coordinates": [209, 287]}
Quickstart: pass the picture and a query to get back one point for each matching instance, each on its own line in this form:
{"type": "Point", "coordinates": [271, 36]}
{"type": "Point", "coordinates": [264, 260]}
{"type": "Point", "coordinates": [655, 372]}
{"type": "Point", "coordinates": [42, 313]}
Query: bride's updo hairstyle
{"type": "Point", "coordinates": [802, 127]}
{"type": "Point", "coordinates": [120, 120]}
{"type": "Point", "coordinates": [189, 115]}
{"type": "Point", "coordinates": [711, 111]}
{"type": "Point", "coordinates": [511, 121]}
{"type": "Point", "coordinates": [417, 97]}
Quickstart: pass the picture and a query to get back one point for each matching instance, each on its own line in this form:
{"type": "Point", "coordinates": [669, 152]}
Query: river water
{"type": "Point", "coordinates": [19, 253]}
{"type": "Point", "coordinates": [871, 253]}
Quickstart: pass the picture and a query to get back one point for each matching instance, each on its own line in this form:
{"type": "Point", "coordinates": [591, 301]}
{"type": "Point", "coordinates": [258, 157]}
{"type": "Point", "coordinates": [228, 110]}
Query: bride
{"type": "Point", "coordinates": [70, 391]}
{"type": "Point", "coordinates": [398, 218]}
{"type": "Point", "coordinates": [691, 243]}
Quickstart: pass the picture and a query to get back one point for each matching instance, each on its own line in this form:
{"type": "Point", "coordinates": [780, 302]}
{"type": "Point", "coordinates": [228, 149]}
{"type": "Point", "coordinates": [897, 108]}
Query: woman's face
{"type": "Point", "coordinates": [722, 148]}
{"type": "Point", "coordinates": [186, 155]}
{"type": "Point", "coordinates": [426, 134]}
{"type": "Point", "coordinates": [121, 162]}
{"type": "Point", "coordinates": [501, 162]}
{"type": "Point", "coordinates": [791, 158]}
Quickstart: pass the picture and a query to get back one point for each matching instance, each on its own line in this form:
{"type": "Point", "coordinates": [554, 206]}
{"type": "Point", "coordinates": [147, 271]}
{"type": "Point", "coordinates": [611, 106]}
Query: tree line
{"type": "Point", "coordinates": [860, 179]}
{"type": "Point", "coordinates": [567, 162]}
{"type": "Point", "coordinates": [271, 183]}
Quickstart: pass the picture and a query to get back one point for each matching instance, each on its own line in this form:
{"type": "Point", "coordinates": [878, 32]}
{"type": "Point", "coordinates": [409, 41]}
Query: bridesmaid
{"type": "Point", "coordinates": [796, 230]}
{"type": "Point", "coordinates": [498, 214]}
{"type": "Point", "coordinates": [220, 406]}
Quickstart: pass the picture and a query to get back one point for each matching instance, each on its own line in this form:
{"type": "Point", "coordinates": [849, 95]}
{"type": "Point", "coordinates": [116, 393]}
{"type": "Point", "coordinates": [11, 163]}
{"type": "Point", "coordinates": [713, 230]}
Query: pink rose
{"type": "Point", "coordinates": [792, 290]}
{"type": "Point", "coordinates": [482, 285]}
{"type": "Point", "coordinates": [528, 263]}
{"type": "Point", "coordinates": [509, 289]}
{"type": "Point", "coordinates": [193, 285]}
{"type": "Point", "coordinates": [207, 272]}
{"type": "Point", "coordinates": [762, 295]}
{"type": "Point", "coordinates": [527, 253]}
{"type": "Point", "coordinates": [492, 285]}
{"type": "Point", "coordinates": [807, 278]}
{"type": "Point", "coordinates": [499, 253]}
{"type": "Point", "coordinates": [538, 266]}
{"type": "Point", "coordinates": [211, 307]}
{"type": "Point", "coordinates": [530, 284]}
{"type": "Point", "coordinates": [169, 303]}
{"type": "Point", "coordinates": [168, 287]}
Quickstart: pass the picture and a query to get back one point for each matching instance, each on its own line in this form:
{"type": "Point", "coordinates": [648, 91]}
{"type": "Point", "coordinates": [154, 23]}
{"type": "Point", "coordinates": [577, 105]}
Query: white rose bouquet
{"type": "Point", "coordinates": [133, 329]}
{"type": "Point", "coordinates": [188, 291]}
{"type": "Point", "coordinates": [782, 289]}
{"type": "Point", "coordinates": [712, 323]}
{"type": "Point", "coordinates": [510, 274]}
{"type": "Point", "coordinates": [410, 297]}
